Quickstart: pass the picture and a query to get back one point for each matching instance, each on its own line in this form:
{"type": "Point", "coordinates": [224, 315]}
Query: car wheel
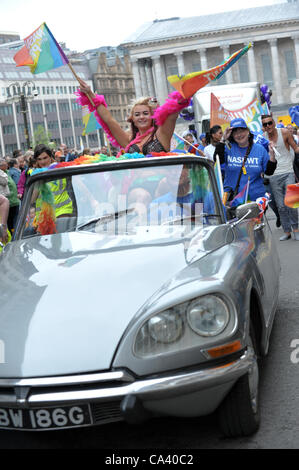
{"type": "Point", "coordinates": [239, 413]}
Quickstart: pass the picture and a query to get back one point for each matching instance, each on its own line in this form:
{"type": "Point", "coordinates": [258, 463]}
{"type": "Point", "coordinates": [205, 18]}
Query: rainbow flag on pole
{"type": "Point", "coordinates": [41, 51]}
{"type": "Point", "coordinates": [189, 84]}
{"type": "Point", "coordinates": [176, 143]}
{"type": "Point", "coordinates": [241, 197]}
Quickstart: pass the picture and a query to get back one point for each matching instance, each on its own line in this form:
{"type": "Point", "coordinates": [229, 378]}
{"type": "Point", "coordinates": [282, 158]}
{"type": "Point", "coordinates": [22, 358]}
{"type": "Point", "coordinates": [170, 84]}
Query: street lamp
{"type": "Point", "coordinates": [23, 93]}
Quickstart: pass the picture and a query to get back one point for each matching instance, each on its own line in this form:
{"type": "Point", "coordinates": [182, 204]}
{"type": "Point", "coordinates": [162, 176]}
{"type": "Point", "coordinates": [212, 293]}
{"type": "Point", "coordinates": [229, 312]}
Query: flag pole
{"type": "Point", "coordinates": [78, 79]}
{"type": "Point", "coordinates": [190, 145]}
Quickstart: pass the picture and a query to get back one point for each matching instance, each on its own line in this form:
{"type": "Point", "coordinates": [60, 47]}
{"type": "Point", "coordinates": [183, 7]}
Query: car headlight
{"type": "Point", "coordinates": [166, 327]}
{"type": "Point", "coordinates": [185, 326]}
{"type": "Point", "coordinates": [208, 315]}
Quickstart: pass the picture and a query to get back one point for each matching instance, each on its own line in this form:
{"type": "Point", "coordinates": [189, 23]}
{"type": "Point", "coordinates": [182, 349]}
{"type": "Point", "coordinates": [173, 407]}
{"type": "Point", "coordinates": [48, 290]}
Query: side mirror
{"type": "Point", "coordinates": [248, 211]}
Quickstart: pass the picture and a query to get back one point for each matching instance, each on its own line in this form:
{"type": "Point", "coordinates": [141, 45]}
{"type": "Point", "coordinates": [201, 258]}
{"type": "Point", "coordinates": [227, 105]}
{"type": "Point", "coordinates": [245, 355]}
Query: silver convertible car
{"type": "Point", "coordinates": [128, 293]}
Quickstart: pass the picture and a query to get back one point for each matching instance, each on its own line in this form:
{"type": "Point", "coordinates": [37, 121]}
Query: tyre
{"type": "Point", "coordinates": [239, 412]}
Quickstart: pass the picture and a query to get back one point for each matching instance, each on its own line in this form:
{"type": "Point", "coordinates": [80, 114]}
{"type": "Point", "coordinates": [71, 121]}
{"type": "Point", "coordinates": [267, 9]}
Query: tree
{"type": "Point", "coordinates": [40, 136]}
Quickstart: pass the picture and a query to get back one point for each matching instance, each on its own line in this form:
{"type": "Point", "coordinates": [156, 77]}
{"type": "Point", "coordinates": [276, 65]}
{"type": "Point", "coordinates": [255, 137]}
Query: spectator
{"type": "Point", "coordinates": [23, 178]}
{"type": "Point", "coordinates": [4, 210]}
{"type": "Point", "coordinates": [213, 137]}
{"type": "Point", "coordinates": [64, 150]}
{"type": "Point", "coordinates": [12, 197]}
{"type": "Point", "coordinates": [203, 139]}
{"type": "Point", "coordinates": [104, 150]}
{"type": "Point", "coordinates": [21, 162]}
{"type": "Point", "coordinates": [4, 190]}
{"type": "Point", "coordinates": [27, 156]}
{"type": "Point", "coordinates": [86, 151]}
{"type": "Point", "coordinates": [191, 146]}
{"type": "Point", "coordinates": [16, 153]}
{"type": "Point", "coordinates": [14, 170]}
{"type": "Point", "coordinates": [282, 142]}
{"type": "Point", "coordinates": [58, 156]}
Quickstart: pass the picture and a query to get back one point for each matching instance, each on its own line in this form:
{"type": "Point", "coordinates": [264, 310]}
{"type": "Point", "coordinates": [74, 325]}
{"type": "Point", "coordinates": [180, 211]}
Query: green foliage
{"type": "Point", "coordinates": [40, 136]}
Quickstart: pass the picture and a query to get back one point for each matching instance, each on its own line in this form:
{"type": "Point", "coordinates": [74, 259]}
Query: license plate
{"type": "Point", "coordinates": [45, 418]}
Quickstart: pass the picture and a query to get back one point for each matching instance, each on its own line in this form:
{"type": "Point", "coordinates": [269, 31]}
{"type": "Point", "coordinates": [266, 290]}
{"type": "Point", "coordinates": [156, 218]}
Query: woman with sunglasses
{"type": "Point", "coordinates": [282, 142]}
{"type": "Point", "coordinates": [245, 161]}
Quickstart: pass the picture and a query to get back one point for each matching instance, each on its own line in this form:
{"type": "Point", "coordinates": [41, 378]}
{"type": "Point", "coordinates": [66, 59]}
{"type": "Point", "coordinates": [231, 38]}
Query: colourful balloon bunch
{"type": "Point", "coordinates": [266, 95]}
{"type": "Point", "coordinates": [188, 113]}
{"type": "Point", "coordinates": [294, 113]}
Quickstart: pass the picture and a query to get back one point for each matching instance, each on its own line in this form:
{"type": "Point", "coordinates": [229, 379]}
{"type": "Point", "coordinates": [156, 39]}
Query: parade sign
{"type": "Point", "coordinates": [41, 51]}
{"type": "Point", "coordinates": [189, 84]}
{"type": "Point", "coordinates": [251, 113]}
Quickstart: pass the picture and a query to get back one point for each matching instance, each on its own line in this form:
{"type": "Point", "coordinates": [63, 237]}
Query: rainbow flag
{"type": "Point", "coordinates": [241, 197]}
{"type": "Point", "coordinates": [41, 51]}
{"type": "Point", "coordinates": [89, 121]}
{"type": "Point", "coordinates": [189, 84]}
{"type": "Point", "coordinates": [176, 143]}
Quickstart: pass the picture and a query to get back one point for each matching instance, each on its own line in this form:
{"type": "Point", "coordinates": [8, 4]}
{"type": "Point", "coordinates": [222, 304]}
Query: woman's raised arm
{"type": "Point", "coordinates": [121, 137]}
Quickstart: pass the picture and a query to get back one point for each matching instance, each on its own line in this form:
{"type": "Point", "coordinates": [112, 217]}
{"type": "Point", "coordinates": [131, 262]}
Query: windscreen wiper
{"type": "Point", "coordinates": [105, 218]}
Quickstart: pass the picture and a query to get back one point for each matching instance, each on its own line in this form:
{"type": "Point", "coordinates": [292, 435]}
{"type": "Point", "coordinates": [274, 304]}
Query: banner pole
{"type": "Point", "coordinates": [182, 138]}
{"type": "Point", "coordinates": [78, 79]}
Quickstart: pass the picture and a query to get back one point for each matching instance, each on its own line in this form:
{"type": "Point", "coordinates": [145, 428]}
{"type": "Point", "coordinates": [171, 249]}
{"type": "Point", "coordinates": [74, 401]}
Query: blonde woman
{"type": "Point", "coordinates": [152, 126]}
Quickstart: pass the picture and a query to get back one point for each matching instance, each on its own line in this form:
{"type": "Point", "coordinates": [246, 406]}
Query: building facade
{"type": "Point", "coordinates": [113, 77]}
{"type": "Point", "coordinates": [107, 70]}
{"type": "Point", "coordinates": [183, 45]}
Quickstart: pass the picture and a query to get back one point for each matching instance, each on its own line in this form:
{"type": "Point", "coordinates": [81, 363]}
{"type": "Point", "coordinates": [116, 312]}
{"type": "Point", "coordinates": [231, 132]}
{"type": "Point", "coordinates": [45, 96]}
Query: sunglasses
{"type": "Point", "coordinates": [269, 123]}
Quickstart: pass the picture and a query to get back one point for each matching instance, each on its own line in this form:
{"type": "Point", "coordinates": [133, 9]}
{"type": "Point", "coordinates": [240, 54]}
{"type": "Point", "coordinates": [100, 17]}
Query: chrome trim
{"type": "Point", "coordinates": [155, 388]}
{"type": "Point", "coordinates": [121, 376]}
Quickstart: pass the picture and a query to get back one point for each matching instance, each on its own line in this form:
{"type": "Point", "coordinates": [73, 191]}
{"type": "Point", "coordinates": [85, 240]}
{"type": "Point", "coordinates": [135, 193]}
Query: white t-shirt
{"type": "Point", "coordinates": [209, 151]}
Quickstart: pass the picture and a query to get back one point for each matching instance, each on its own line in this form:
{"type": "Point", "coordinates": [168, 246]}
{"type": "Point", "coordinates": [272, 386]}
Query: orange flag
{"type": "Point", "coordinates": [219, 114]}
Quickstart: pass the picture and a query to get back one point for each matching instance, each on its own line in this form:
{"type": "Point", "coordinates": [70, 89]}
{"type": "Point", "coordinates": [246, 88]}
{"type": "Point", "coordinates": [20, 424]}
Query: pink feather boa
{"type": "Point", "coordinates": [98, 100]}
{"type": "Point", "coordinates": [174, 104]}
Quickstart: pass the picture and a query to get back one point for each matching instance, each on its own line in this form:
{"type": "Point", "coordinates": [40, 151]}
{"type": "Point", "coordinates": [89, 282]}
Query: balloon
{"type": "Point", "coordinates": [188, 113]}
{"type": "Point", "coordinates": [294, 113]}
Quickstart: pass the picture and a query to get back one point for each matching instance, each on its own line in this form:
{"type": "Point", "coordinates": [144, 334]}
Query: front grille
{"type": "Point", "coordinates": [107, 412]}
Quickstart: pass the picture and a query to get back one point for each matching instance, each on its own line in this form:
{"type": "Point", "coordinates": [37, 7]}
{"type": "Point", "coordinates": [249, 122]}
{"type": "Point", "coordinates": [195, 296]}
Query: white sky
{"type": "Point", "coordinates": [95, 23]}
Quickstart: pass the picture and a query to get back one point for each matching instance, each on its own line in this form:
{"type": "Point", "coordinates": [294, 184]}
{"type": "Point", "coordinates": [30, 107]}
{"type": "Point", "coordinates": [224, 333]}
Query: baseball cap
{"type": "Point", "coordinates": [238, 122]}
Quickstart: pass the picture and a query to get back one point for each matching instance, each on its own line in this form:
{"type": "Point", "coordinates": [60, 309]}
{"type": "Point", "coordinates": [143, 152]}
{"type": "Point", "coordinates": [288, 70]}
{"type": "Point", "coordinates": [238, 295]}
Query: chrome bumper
{"type": "Point", "coordinates": [111, 386]}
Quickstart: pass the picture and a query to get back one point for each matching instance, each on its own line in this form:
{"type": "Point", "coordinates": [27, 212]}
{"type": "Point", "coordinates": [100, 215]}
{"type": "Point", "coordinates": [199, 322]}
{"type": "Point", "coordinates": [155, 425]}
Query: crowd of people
{"type": "Point", "coordinates": [14, 171]}
{"type": "Point", "coordinates": [244, 159]}
{"type": "Point", "coordinates": [269, 164]}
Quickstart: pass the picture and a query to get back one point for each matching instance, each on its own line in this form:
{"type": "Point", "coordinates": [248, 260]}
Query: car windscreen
{"type": "Point", "coordinates": [120, 200]}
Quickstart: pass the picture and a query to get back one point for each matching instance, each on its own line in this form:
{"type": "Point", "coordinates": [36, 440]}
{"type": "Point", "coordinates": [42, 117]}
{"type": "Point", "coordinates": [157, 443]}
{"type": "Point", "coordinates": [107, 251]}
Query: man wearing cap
{"type": "Point", "coordinates": [245, 161]}
{"type": "Point", "coordinates": [282, 142]}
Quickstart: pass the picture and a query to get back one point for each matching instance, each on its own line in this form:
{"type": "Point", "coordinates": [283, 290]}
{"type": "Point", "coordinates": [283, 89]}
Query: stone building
{"type": "Point", "coordinates": [6, 36]}
{"type": "Point", "coordinates": [183, 45]}
{"type": "Point", "coordinates": [113, 78]}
